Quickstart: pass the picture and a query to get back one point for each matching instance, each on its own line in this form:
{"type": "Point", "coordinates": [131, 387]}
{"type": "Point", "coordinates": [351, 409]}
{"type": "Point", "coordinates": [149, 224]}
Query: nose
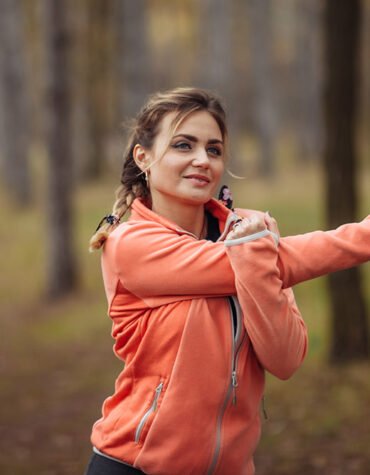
{"type": "Point", "coordinates": [201, 158]}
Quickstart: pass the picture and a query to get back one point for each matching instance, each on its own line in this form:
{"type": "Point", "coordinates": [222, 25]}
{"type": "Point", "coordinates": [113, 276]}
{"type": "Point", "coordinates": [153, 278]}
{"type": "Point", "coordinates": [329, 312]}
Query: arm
{"type": "Point", "coordinates": [311, 255]}
{"type": "Point", "coordinates": [271, 317]}
{"type": "Point", "coordinates": [152, 260]}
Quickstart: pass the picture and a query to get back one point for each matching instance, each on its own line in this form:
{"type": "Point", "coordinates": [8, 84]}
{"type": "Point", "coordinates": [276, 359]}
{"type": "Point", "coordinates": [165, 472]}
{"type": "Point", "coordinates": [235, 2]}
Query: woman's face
{"type": "Point", "coordinates": [190, 169]}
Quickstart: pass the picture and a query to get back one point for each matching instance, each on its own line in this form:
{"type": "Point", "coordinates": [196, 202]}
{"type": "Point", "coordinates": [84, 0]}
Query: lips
{"type": "Point", "coordinates": [201, 178]}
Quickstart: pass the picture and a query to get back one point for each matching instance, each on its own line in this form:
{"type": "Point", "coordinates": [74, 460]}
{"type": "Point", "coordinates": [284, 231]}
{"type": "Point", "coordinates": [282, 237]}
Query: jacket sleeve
{"type": "Point", "coordinates": [311, 255]}
{"type": "Point", "coordinates": [154, 261]}
{"type": "Point", "coordinates": [271, 317]}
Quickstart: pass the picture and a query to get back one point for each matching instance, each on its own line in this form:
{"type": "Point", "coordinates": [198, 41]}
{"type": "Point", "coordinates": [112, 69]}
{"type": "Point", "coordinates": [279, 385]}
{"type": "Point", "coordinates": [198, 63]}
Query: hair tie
{"type": "Point", "coordinates": [226, 197]}
{"type": "Point", "coordinates": [111, 219]}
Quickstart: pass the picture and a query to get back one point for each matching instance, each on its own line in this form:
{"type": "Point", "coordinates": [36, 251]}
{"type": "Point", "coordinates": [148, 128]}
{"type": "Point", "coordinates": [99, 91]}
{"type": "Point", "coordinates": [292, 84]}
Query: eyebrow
{"type": "Point", "coordinates": [192, 138]}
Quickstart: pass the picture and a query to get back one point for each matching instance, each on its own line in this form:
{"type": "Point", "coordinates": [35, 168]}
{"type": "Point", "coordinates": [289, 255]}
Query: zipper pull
{"type": "Point", "coordinates": [234, 382]}
{"type": "Point", "coordinates": [156, 397]}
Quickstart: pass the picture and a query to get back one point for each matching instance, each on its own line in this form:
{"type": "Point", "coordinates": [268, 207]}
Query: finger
{"type": "Point", "coordinates": [246, 227]}
{"type": "Point", "coordinates": [236, 224]}
{"type": "Point", "coordinates": [271, 223]}
{"type": "Point", "coordinates": [238, 229]}
{"type": "Point", "coordinates": [256, 223]}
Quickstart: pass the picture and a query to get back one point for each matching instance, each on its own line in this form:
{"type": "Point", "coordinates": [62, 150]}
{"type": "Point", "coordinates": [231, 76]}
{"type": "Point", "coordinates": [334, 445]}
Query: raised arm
{"type": "Point", "coordinates": [311, 255]}
{"type": "Point", "coordinates": [152, 260]}
{"type": "Point", "coordinates": [155, 261]}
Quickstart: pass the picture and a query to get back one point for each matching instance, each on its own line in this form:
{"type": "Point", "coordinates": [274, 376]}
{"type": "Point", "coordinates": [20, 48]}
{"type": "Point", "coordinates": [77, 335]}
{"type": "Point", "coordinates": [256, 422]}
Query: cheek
{"type": "Point", "coordinates": [159, 169]}
{"type": "Point", "coordinates": [217, 174]}
{"type": "Point", "coordinates": [220, 169]}
{"type": "Point", "coordinates": [163, 175]}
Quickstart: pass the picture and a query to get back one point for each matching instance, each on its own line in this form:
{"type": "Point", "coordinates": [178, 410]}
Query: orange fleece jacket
{"type": "Point", "coordinates": [187, 400]}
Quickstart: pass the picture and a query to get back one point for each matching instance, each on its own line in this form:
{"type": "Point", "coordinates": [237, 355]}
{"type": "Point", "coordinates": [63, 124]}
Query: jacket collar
{"type": "Point", "coordinates": [140, 212]}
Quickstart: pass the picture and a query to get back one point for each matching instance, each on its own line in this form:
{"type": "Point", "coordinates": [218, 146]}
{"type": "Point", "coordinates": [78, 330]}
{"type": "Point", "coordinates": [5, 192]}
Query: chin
{"type": "Point", "coordinates": [197, 200]}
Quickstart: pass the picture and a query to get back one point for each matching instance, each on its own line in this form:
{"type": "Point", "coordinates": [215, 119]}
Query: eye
{"type": "Point", "coordinates": [182, 146]}
{"type": "Point", "coordinates": [216, 151]}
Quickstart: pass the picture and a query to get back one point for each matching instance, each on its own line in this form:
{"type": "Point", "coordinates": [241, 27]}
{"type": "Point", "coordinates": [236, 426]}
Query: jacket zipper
{"type": "Point", "coordinates": [233, 384]}
{"type": "Point", "coordinates": [152, 409]}
{"type": "Point", "coordinates": [236, 347]}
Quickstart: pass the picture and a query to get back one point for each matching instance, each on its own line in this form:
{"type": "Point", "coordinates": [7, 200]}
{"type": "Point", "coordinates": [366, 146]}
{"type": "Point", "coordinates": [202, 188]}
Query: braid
{"type": "Point", "coordinates": [122, 202]}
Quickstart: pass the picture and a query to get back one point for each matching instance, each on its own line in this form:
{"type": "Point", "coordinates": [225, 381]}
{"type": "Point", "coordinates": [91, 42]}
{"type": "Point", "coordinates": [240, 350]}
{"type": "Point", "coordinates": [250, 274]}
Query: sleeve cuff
{"type": "Point", "coordinates": [252, 237]}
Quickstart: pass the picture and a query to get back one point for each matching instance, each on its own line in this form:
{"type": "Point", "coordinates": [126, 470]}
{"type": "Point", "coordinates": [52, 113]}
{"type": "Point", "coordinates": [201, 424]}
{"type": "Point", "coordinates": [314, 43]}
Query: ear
{"type": "Point", "coordinates": [141, 157]}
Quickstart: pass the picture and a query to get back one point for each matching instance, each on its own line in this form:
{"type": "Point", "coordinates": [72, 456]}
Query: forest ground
{"type": "Point", "coordinates": [57, 365]}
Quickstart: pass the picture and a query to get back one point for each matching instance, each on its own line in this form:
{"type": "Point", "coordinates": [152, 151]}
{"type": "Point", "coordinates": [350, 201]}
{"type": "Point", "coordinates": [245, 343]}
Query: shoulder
{"type": "Point", "coordinates": [133, 242]}
{"type": "Point", "coordinates": [134, 233]}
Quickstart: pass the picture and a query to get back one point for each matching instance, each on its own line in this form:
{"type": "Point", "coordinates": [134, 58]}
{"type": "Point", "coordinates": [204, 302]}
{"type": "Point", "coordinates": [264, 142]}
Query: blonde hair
{"type": "Point", "coordinates": [145, 128]}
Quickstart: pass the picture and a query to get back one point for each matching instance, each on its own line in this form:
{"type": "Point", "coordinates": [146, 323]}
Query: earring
{"type": "Point", "coordinates": [146, 176]}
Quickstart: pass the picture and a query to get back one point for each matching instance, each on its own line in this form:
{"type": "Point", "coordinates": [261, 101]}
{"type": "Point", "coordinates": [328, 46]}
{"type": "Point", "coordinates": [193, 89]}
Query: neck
{"type": "Point", "coordinates": [189, 218]}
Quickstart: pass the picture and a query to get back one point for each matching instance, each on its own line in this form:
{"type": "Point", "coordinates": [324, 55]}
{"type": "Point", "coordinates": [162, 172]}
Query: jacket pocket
{"type": "Point", "coordinates": [147, 414]}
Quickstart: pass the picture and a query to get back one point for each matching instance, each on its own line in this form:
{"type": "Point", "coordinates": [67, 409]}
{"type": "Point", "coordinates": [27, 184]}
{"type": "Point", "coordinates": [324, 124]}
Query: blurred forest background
{"type": "Point", "coordinates": [295, 78]}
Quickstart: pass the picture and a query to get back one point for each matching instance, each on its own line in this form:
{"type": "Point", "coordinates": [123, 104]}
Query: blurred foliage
{"type": "Point", "coordinates": [56, 363]}
{"type": "Point", "coordinates": [179, 50]}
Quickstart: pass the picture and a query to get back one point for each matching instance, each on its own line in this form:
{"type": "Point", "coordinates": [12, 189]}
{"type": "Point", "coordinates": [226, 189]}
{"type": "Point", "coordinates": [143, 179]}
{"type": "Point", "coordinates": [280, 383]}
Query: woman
{"type": "Point", "coordinates": [200, 299]}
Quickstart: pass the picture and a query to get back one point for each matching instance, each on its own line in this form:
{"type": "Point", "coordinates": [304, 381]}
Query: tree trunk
{"type": "Point", "coordinates": [134, 58]}
{"type": "Point", "coordinates": [215, 46]}
{"type": "Point", "coordinates": [14, 105]}
{"type": "Point", "coordinates": [260, 44]}
{"type": "Point", "coordinates": [96, 83]}
{"type": "Point", "coordinates": [342, 30]}
{"type": "Point", "coordinates": [308, 111]}
{"type": "Point", "coordinates": [61, 272]}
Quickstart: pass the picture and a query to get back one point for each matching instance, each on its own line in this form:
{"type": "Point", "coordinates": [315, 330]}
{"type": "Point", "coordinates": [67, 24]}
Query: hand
{"type": "Point", "coordinates": [248, 226]}
{"type": "Point", "coordinates": [271, 224]}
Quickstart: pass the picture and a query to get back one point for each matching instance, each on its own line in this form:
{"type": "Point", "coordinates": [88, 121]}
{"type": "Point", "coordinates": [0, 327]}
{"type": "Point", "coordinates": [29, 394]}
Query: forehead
{"type": "Point", "coordinates": [199, 124]}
